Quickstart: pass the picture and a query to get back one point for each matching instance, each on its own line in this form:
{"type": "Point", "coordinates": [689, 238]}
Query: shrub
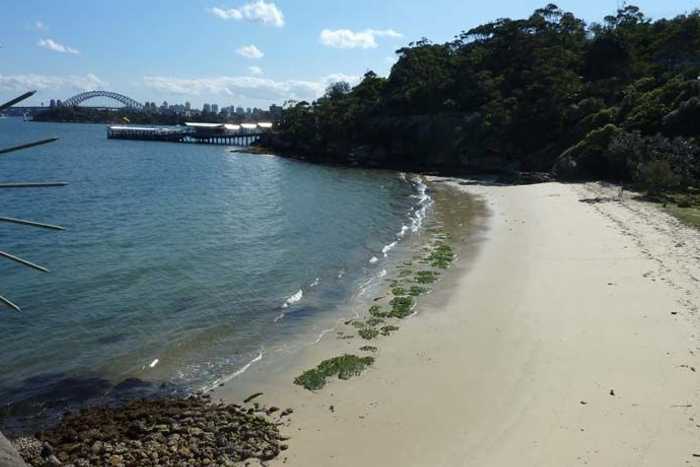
{"type": "Point", "coordinates": [657, 176]}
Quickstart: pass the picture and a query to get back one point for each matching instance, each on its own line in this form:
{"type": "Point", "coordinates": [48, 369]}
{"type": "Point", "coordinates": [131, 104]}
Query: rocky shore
{"type": "Point", "coordinates": [192, 431]}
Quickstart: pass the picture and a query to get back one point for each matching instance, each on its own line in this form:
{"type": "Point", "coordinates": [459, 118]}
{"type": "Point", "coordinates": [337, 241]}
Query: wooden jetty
{"type": "Point", "coordinates": [200, 133]}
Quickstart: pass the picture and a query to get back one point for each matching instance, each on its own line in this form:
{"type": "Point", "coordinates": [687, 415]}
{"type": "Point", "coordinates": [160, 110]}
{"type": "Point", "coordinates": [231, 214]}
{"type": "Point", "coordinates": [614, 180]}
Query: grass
{"type": "Point", "coordinates": [345, 367]}
{"type": "Point", "coordinates": [688, 215]}
{"type": "Point", "coordinates": [401, 307]}
{"type": "Point", "coordinates": [426, 277]}
{"type": "Point", "coordinates": [387, 330]}
{"type": "Point", "coordinates": [368, 333]}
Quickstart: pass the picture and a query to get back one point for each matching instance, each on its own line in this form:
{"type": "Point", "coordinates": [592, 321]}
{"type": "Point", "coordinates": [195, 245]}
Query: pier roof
{"type": "Point", "coordinates": [204, 125]}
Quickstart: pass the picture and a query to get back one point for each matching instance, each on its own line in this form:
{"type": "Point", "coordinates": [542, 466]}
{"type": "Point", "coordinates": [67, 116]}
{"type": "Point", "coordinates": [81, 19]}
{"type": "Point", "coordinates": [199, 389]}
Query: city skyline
{"type": "Point", "coordinates": [249, 53]}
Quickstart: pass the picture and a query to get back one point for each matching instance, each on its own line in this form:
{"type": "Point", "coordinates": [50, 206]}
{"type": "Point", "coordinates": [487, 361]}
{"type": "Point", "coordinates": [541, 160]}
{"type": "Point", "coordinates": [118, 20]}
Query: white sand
{"type": "Point", "coordinates": [514, 365]}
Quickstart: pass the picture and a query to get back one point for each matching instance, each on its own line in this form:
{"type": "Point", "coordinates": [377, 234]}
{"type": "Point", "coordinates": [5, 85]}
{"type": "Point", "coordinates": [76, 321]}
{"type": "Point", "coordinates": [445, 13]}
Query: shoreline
{"type": "Point", "coordinates": [567, 340]}
{"type": "Point", "coordinates": [339, 336]}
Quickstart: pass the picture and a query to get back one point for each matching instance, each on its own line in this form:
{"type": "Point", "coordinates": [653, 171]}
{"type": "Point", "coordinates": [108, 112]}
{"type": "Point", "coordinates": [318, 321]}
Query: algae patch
{"type": "Point", "coordinates": [426, 277]}
{"type": "Point", "coordinates": [401, 307]}
{"type": "Point", "coordinates": [387, 330]}
{"type": "Point", "coordinates": [345, 367]}
{"type": "Point", "coordinates": [368, 333]}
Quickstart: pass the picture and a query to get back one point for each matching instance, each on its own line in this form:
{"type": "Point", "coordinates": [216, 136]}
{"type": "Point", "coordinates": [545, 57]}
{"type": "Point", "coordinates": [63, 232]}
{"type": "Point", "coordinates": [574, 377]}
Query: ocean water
{"type": "Point", "coordinates": [181, 265]}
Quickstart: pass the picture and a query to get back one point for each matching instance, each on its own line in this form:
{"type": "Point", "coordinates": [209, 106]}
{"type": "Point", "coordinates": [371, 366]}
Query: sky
{"type": "Point", "coordinates": [249, 53]}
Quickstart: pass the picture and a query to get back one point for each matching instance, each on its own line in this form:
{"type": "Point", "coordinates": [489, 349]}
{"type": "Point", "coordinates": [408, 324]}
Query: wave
{"type": "Point", "coordinates": [219, 381]}
{"type": "Point", "coordinates": [373, 260]}
{"type": "Point", "coordinates": [388, 248]}
{"type": "Point", "coordinates": [293, 299]}
{"type": "Point", "coordinates": [322, 335]}
{"type": "Point", "coordinates": [315, 282]}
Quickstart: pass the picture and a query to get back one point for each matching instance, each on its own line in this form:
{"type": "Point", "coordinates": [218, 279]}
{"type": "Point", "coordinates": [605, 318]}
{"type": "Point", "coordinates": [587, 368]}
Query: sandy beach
{"type": "Point", "coordinates": [569, 339]}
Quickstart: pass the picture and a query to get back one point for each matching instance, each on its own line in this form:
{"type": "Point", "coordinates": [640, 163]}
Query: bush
{"type": "Point", "coordinates": [657, 176]}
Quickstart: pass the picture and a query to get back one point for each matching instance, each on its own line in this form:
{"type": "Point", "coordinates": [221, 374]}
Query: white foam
{"type": "Point", "coordinates": [424, 202]}
{"type": "Point", "coordinates": [383, 273]}
{"type": "Point", "coordinates": [238, 372]}
{"type": "Point", "coordinates": [315, 282]}
{"type": "Point", "coordinates": [154, 363]}
{"type": "Point", "coordinates": [388, 248]}
{"type": "Point", "coordinates": [341, 273]}
{"type": "Point", "coordinates": [293, 299]}
{"type": "Point", "coordinates": [373, 260]}
{"type": "Point", "coordinates": [323, 333]}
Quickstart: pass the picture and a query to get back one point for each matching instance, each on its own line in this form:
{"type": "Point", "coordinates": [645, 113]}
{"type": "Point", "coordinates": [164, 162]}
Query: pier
{"type": "Point", "coordinates": [244, 134]}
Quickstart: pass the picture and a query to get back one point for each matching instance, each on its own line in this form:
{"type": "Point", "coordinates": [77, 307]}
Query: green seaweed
{"type": "Point", "coordinates": [368, 333]}
{"type": "Point", "coordinates": [374, 321]}
{"type": "Point", "coordinates": [415, 291]}
{"type": "Point", "coordinates": [426, 277]}
{"type": "Point", "coordinates": [398, 291]}
{"type": "Point", "coordinates": [401, 307]}
{"type": "Point", "coordinates": [345, 367]}
{"type": "Point", "coordinates": [376, 311]}
{"type": "Point", "coordinates": [387, 330]}
{"type": "Point", "coordinates": [405, 273]}
{"type": "Point", "coordinates": [441, 256]}
{"type": "Point", "coordinates": [368, 348]}
{"type": "Point", "coordinates": [357, 324]}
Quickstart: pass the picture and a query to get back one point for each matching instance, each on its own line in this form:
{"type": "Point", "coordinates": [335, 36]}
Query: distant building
{"type": "Point", "coordinates": [52, 103]}
{"type": "Point", "coordinates": [215, 108]}
{"type": "Point", "coordinates": [206, 108]}
{"type": "Point", "coordinates": [188, 107]}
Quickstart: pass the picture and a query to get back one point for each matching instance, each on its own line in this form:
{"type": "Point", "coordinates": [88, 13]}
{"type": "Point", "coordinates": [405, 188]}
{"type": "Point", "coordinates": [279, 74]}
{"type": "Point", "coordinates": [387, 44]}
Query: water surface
{"type": "Point", "coordinates": [180, 263]}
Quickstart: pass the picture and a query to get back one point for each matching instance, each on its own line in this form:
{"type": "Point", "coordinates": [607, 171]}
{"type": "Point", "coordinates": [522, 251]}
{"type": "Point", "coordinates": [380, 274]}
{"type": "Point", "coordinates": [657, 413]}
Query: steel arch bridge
{"type": "Point", "coordinates": [83, 96]}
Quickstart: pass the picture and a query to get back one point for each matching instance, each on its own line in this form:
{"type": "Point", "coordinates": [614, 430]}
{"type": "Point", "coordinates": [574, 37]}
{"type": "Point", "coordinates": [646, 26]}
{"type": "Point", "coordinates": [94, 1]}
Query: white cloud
{"type": "Point", "coordinates": [250, 51]}
{"type": "Point", "coordinates": [255, 70]}
{"type": "Point", "coordinates": [226, 14]}
{"type": "Point", "coordinates": [56, 47]}
{"type": "Point", "coordinates": [40, 26]}
{"type": "Point", "coordinates": [257, 12]}
{"type": "Point", "coordinates": [347, 39]}
{"type": "Point", "coordinates": [250, 87]}
{"type": "Point", "coordinates": [19, 83]}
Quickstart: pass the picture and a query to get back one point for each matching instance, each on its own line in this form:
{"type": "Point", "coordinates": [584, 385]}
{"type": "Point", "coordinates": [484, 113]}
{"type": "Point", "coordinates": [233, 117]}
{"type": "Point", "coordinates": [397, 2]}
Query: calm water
{"type": "Point", "coordinates": [180, 263]}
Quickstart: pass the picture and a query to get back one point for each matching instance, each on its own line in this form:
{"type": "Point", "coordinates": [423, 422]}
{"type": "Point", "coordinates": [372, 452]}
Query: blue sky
{"type": "Point", "coordinates": [242, 52]}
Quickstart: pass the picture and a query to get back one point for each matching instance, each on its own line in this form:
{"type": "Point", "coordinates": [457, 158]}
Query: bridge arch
{"type": "Point", "coordinates": [83, 96]}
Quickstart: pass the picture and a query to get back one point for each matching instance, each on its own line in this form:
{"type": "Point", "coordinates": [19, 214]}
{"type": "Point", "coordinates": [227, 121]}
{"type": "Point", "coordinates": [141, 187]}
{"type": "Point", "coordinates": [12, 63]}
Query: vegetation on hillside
{"type": "Point", "coordinates": [618, 100]}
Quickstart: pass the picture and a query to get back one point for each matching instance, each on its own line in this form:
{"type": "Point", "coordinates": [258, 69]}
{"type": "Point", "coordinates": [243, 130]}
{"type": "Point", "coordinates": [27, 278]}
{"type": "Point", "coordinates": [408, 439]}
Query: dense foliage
{"type": "Point", "coordinates": [617, 100]}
